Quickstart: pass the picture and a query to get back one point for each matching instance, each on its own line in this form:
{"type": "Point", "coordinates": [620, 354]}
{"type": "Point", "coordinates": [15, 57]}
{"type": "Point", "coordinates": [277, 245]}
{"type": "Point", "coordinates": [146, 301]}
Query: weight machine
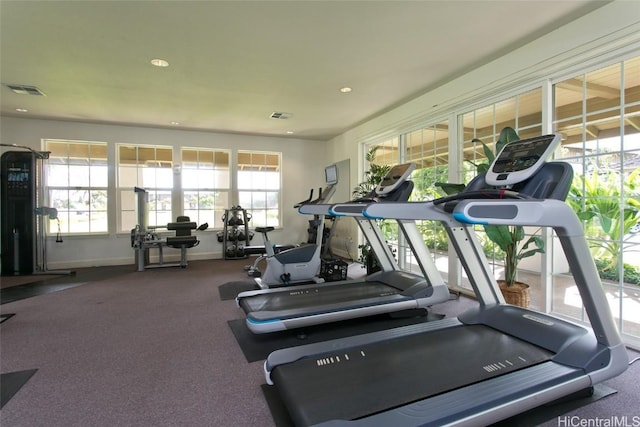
{"type": "Point", "coordinates": [145, 237]}
{"type": "Point", "coordinates": [24, 238]}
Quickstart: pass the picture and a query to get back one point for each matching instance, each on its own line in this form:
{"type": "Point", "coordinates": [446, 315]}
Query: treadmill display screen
{"type": "Point", "coordinates": [396, 176]}
{"type": "Point", "coordinates": [520, 160]}
{"type": "Point", "coordinates": [520, 155]}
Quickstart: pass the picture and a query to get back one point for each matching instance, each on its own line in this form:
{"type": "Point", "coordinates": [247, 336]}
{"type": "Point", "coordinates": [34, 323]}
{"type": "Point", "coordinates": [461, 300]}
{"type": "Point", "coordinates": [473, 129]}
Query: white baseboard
{"type": "Point", "coordinates": [105, 262]}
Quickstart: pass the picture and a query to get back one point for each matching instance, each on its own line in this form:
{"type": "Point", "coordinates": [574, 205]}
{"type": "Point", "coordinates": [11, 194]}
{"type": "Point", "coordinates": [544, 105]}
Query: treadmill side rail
{"type": "Point", "coordinates": [483, 403]}
{"type": "Point", "coordinates": [275, 325]}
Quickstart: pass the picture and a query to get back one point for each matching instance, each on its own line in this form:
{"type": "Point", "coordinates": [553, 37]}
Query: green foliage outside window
{"type": "Point", "coordinates": [608, 223]}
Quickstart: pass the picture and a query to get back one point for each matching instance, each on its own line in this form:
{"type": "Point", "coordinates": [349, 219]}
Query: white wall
{"type": "Point", "coordinates": [610, 31]}
{"type": "Point", "coordinates": [303, 164]}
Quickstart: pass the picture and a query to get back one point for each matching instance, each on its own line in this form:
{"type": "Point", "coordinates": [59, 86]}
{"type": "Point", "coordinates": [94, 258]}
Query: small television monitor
{"type": "Point", "coordinates": [331, 175]}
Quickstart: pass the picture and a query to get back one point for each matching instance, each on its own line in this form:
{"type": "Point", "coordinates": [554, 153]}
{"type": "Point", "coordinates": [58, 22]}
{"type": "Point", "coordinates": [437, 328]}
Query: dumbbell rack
{"type": "Point", "coordinates": [236, 233]}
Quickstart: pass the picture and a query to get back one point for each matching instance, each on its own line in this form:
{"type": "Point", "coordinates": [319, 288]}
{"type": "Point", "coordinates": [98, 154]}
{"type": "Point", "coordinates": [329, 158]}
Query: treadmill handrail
{"type": "Point", "coordinates": [408, 210]}
{"type": "Point", "coordinates": [526, 212]}
{"type": "Point", "coordinates": [314, 209]}
{"type": "Point", "coordinates": [540, 213]}
{"type": "Point", "coordinates": [544, 213]}
{"type": "Point", "coordinates": [348, 209]}
{"type": "Point", "coordinates": [335, 209]}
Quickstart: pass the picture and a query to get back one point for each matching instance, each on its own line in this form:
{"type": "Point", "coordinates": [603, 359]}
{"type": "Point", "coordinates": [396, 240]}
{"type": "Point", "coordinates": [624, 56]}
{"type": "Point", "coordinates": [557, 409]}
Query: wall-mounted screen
{"type": "Point", "coordinates": [331, 175]}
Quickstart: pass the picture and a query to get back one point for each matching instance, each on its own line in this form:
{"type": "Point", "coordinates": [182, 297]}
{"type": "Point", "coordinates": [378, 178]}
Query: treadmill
{"type": "Point", "coordinates": [489, 363]}
{"type": "Point", "coordinates": [387, 291]}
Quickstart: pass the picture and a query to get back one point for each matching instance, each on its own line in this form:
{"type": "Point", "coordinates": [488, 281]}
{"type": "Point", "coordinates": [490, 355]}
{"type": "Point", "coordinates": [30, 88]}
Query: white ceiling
{"type": "Point", "coordinates": [233, 63]}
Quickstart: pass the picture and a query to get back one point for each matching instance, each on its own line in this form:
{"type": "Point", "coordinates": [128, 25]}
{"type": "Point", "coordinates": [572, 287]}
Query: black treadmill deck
{"type": "Point", "coordinates": [366, 380]}
{"type": "Point", "coordinates": [318, 299]}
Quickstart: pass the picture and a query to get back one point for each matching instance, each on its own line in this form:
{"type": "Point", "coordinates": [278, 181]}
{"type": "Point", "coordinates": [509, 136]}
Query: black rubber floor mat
{"type": "Point", "coordinates": [230, 290]}
{"type": "Point", "coordinates": [6, 316]}
{"type": "Point", "coordinates": [11, 382]}
{"type": "Point", "coordinates": [17, 293]}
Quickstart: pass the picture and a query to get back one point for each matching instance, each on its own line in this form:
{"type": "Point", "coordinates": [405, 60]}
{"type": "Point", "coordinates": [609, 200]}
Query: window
{"type": "Point", "coordinates": [259, 186]}
{"type": "Point", "coordinates": [149, 168]}
{"type": "Point", "coordinates": [205, 185]}
{"type": "Point", "coordinates": [76, 179]}
{"type": "Point", "coordinates": [428, 148]}
{"type": "Point", "coordinates": [378, 158]}
{"type": "Point", "coordinates": [598, 114]}
{"type": "Point", "coordinates": [387, 152]}
{"type": "Point", "coordinates": [522, 112]}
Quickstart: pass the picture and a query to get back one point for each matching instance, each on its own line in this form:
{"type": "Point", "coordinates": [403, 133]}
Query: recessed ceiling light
{"type": "Point", "coordinates": [280, 115]}
{"type": "Point", "coordinates": [175, 123]}
{"type": "Point", "coordinates": [345, 89]}
{"type": "Point", "coordinates": [159, 62]}
{"type": "Point", "coordinates": [25, 90]}
{"type": "Point", "coordinates": [289, 132]}
{"type": "Point", "coordinates": [22, 110]}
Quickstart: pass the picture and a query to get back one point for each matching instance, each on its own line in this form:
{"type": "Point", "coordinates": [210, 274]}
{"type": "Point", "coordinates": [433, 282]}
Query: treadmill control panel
{"type": "Point", "coordinates": [519, 160]}
{"type": "Point", "coordinates": [394, 178]}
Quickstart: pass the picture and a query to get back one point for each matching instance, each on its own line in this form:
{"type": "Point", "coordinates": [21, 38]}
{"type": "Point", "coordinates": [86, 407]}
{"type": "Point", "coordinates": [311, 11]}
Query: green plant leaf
{"type": "Point", "coordinates": [586, 215]}
{"type": "Point", "coordinates": [372, 177]}
{"type": "Point", "coordinates": [507, 135]}
{"type": "Point", "coordinates": [500, 235]}
{"type": "Point", "coordinates": [449, 188]}
{"type": "Point", "coordinates": [482, 168]}
{"type": "Point", "coordinates": [539, 243]}
{"type": "Point", "coordinates": [517, 234]}
{"type": "Point", "coordinates": [488, 152]}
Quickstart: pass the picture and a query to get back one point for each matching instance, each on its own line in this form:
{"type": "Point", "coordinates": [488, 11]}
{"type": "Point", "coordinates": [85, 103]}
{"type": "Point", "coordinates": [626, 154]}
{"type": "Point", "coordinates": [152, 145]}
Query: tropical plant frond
{"type": "Point", "coordinates": [539, 247]}
{"type": "Point", "coordinates": [488, 152]}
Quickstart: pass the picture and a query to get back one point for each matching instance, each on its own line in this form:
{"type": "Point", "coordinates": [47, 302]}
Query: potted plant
{"type": "Point", "coordinates": [510, 239]}
{"type": "Point", "coordinates": [364, 189]}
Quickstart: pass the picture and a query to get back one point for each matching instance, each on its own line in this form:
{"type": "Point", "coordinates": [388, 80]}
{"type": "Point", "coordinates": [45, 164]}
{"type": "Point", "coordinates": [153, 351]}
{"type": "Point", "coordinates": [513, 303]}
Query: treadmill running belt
{"type": "Point", "coordinates": [361, 381]}
{"type": "Point", "coordinates": [316, 296]}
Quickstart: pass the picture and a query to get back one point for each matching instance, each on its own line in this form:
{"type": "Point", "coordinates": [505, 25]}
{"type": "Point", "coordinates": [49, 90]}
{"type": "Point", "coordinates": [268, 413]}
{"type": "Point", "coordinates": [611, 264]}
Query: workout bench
{"type": "Point", "coordinates": [142, 241]}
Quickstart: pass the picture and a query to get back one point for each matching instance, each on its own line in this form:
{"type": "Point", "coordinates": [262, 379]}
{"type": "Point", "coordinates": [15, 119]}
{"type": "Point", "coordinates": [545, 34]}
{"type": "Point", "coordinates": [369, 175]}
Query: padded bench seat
{"type": "Point", "coordinates": [183, 238]}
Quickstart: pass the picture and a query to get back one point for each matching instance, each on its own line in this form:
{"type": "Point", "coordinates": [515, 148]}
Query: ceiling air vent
{"type": "Point", "coordinates": [25, 90]}
{"type": "Point", "coordinates": [280, 115]}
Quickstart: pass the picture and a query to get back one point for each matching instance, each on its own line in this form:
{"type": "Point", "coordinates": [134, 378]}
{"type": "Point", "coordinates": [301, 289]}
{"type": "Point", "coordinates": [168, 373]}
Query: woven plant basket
{"type": "Point", "coordinates": [516, 294]}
